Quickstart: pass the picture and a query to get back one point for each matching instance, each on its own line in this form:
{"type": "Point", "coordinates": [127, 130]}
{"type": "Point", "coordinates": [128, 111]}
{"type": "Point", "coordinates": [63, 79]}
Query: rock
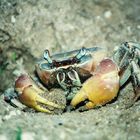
{"type": "Point", "coordinates": [27, 136]}
{"type": "Point", "coordinates": [3, 137]}
{"type": "Point", "coordinates": [107, 14]}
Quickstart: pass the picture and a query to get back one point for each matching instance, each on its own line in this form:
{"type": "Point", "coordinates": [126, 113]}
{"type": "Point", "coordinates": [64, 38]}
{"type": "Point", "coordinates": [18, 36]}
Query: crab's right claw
{"type": "Point", "coordinates": [33, 96]}
{"type": "Point", "coordinates": [101, 88]}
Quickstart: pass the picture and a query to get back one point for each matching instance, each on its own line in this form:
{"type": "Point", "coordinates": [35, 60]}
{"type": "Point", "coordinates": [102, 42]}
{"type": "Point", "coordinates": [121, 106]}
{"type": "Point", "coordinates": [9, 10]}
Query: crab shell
{"type": "Point", "coordinates": [84, 68]}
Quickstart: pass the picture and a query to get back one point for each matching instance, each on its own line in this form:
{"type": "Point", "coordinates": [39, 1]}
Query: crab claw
{"type": "Point", "coordinates": [33, 96]}
{"type": "Point", "coordinates": [101, 88]}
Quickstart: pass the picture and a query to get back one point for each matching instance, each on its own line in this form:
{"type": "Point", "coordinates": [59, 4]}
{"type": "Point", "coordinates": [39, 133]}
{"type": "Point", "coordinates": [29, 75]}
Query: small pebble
{"type": "Point", "coordinates": [27, 136]}
{"type": "Point", "coordinates": [129, 29]}
{"type": "Point", "coordinates": [18, 112]}
{"type": "Point", "coordinates": [62, 135]}
{"type": "Point", "coordinates": [13, 19]}
{"type": "Point", "coordinates": [138, 26]}
{"type": "Point", "coordinates": [44, 138]}
{"type": "Point", "coordinates": [3, 137]}
{"type": "Point", "coordinates": [116, 48]}
{"type": "Point", "coordinates": [117, 106]}
{"type": "Point", "coordinates": [98, 17]}
{"type": "Point", "coordinates": [107, 14]}
{"type": "Point", "coordinates": [11, 114]}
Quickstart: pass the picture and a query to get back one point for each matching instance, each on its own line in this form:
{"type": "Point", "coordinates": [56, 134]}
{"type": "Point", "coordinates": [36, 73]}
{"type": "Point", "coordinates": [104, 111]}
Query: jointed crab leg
{"type": "Point", "coordinates": [128, 59]}
{"type": "Point", "coordinates": [10, 96]}
{"type": "Point", "coordinates": [131, 44]}
{"type": "Point", "coordinates": [136, 79]}
{"type": "Point", "coordinates": [123, 56]}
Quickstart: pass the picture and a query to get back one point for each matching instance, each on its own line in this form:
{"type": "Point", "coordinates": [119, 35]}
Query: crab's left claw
{"type": "Point", "coordinates": [101, 88]}
{"type": "Point", "coordinates": [33, 96]}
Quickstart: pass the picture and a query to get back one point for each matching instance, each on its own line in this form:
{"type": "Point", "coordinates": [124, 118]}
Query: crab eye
{"type": "Point", "coordinates": [47, 57]}
{"type": "Point", "coordinates": [81, 53]}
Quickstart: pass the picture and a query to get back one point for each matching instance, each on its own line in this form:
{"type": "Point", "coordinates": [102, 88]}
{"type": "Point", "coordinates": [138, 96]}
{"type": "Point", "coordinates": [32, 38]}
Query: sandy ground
{"type": "Point", "coordinates": [28, 28]}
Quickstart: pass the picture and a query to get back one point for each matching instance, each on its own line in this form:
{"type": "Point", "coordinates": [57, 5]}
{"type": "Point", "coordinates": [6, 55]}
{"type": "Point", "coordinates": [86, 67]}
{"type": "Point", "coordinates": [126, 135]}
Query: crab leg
{"type": "Point", "coordinates": [136, 79]}
{"type": "Point", "coordinates": [131, 44]}
{"type": "Point", "coordinates": [10, 96]}
{"type": "Point", "coordinates": [123, 56]}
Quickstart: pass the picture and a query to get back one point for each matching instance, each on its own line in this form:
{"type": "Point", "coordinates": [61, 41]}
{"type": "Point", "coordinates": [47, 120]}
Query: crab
{"type": "Point", "coordinates": [85, 75]}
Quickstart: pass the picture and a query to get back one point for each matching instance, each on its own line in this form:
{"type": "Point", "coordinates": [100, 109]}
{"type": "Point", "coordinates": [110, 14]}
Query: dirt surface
{"type": "Point", "coordinates": [29, 27]}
